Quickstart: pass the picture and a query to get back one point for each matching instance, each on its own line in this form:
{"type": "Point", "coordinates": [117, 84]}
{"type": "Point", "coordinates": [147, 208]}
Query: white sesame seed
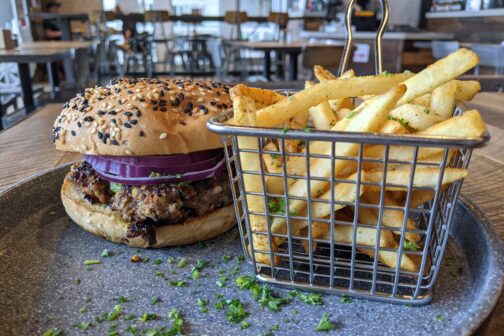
{"type": "Point", "coordinates": [127, 152]}
{"type": "Point", "coordinates": [93, 130]}
{"type": "Point", "coordinates": [134, 98]}
{"type": "Point", "coordinates": [101, 121]}
{"type": "Point", "coordinates": [163, 136]}
{"type": "Point", "coordinates": [200, 100]}
{"type": "Point", "coordinates": [145, 105]}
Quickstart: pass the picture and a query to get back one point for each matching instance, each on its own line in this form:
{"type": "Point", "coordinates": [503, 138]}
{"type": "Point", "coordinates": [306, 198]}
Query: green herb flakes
{"type": "Point", "coordinates": [148, 317]}
{"type": "Point", "coordinates": [177, 283]}
{"type": "Point", "coordinates": [202, 303]}
{"type": "Point", "coordinates": [53, 332]}
{"type": "Point", "coordinates": [426, 111]}
{"type": "Point", "coordinates": [401, 121]}
{"type": "Point", "coordinates": [235, 312]}
{"type": "Point", "coordinates": [306, 129]}
{"type": "Point", "coordinates": [195, 274]}
{"type": "Point", "coordinates": [261, 293]}
{"type": "Point", "coordinates": [155, 300]}
{"type": "Point", "coordinates": [123, 299]}
{"type": "Point", "coordinates": [132, 329]}
{"type": "Point", "coordinates": [411, 246]}
{"type": "Point", "coordinates": [92, 262]}
{"type": "Point", "coordinates": [157, 262]}
{"type": "Point", "coordinates": [439, 318]}
{"type": "Point", "coordinates": [129, 317]}
{"type": "Point", "coordinates": [325, 324]}
{"type": "Point", "coordinates": [178, 323]}
{"type": "Point", "coordinates": [160, 274]}
{"type": "Point", "coordinates": [244, 325]}
{"type": "Point", "coordinates": [385, 73]}
{"type": "Point", "coordinates": [77, 281]}
{"type": "Point", "coordinates": [345, 299]}
{"type": "Point", "coordinates": [226, 258]}
{"type": "Point", "coordinates": [83, 309]}
{"type": "Point", "coordinates": [276, 206]}
{"type": "Point", "coordinates": [170, 260]}
{"type": "Point", "coordinates": [105, 253]}
{"type": "Point", "coordinates": [220, 283]}
{"type": "Point", "coordinates": [114, 313]}
{"type": "Point", "coordinates": [115, 187]}
{"type": "Point", "coordinates": [83, 325]}
{"type": "Point", "coordinates": [182, 263]}
{"type": "Point", "coordinates": [312, 299]}
{"type": "Point", "coordinates": [285, 130]}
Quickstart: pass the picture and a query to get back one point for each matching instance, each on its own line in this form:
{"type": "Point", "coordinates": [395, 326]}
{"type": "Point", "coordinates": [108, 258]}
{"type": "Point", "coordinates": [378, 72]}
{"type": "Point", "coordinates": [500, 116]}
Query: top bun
{"type": "Point", "coordinates": [142, 117]}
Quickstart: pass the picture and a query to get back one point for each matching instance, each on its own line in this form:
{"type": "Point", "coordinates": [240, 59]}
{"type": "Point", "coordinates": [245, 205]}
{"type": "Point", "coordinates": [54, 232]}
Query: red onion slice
{"type": "Point", "coordinates": [215, 171]}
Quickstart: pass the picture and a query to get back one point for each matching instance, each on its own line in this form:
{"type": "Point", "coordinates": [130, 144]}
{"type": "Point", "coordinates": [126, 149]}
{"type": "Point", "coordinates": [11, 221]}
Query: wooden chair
{"type": "Point", "coordinates": [235, 18]}
{"type": "Point", "coordinates": [327, 56]}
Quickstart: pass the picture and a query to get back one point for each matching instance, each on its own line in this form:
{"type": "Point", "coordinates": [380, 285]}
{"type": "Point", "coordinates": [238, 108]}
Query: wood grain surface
{"type": "Point", "coordinates": [27, 148]}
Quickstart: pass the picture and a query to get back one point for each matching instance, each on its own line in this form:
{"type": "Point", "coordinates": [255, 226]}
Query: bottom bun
{"type": "Point", "coordinates": [101, 221]}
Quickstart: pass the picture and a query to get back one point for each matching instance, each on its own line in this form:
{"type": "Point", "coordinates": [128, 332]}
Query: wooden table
{"type": "Point", "coordinates": [23, 57]}
{"type": "Point", "coordinates": [26, 149]}
{"type": "Point", "coordinates": [293, 49]}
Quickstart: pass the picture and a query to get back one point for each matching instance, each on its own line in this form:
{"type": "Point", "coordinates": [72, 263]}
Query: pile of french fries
{"type": "Point", "coordinates": [419, 104]}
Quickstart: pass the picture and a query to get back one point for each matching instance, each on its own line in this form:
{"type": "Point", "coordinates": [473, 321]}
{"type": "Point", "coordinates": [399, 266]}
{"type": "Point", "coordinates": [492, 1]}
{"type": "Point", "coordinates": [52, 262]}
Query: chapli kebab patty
{"type": "Point", "coordinates": [160, 204]}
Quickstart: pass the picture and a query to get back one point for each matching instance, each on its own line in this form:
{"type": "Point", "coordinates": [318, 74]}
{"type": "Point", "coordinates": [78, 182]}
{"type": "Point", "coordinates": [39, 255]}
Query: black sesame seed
{"type": "Point", "coordinates": [73, 133]}
{"type": "Point", "coordinates": [133, 121]}
{"type": "Point", "coordinates": [162, 109]}
{"type": "Point", "coordinates": [141, 100]}
{"type": "Point", "coordinates": [213, 103]}
{"type": "Point", "coordinates": [225, 106]}
{"type": "Point", "coordinates": [127, 125]}
{"type": "Point", "coordinates": [141, 133]}
{"type": "Point", "coordinates": [101, 112]}
{"type": "Point", "coordinates": [104, 139]}
{"type": "Point", "coordinates": [190, 105]}
{"type": "Point", "coordinates": [107, 135]}
{"type": "Point", "coordinates": [156, 108]}
{"type": "Point", "coordinates": [100, 135]}
{"type": "Point", "coordinates": [182, 123]}
{"type": "Point", "coordinates": [88, 119]}
{"type": "Point", "coordinates": [181, 95]}
{"type": "Point", "coordinates": [115, 143]}
{"type": "Point", "coordinates": [201, 107]}
{"type": "Point", "coordinates": [161, 93]}
{"type": "Point", "coordinates": [162, 102]}
{"type": "Point", "coordinates": [79, 124]}
{"type": "Point", "coordinates": [153, 102]}
{"type": "Point", "coordinates": [128, 114]}
{"type": "Point", "coordinates": [114, 121]}
{"type": "Point", "coordinates": [187, 109]}
{"type": "Point", "coordinates": [175, 102]}
{"type": "Point", "coordinates": [219, 106]}
{"type": "Point", "coordinates": [130, 92]}
{"type": "Point", "coordinates": [138, 114]}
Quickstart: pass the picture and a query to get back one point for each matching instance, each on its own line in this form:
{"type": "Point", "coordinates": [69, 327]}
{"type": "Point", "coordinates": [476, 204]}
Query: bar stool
{"type": "Point", "coordinates": [235, 18]}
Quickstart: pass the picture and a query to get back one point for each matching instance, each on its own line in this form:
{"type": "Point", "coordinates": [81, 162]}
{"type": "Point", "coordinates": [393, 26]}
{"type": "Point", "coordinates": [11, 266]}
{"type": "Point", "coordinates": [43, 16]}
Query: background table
{"type": "Point", "coordinates": [26, 149]}
{"type": "Point", "coordinates": [23, 57]}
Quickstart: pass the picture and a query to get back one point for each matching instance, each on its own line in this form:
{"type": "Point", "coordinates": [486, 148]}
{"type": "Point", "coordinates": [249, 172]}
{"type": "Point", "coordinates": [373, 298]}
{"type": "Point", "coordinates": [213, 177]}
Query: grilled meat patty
{"type": "Point", "coordinates": [156, 205]}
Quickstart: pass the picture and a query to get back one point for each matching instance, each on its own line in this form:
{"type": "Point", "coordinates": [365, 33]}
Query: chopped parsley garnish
{"type": "Point", "coordinates": [220, 283]}
{"type": "Point", "coordinates": [115, 187]}
{"type": "Point", "coordinates": [105, 253]}
{"type": "Point", "coordinates": [157, 262]}
{"type": "Point", "coordinates": [385, 73]}
{"type": "Point", "coordinates": [226, 258]}
{"type": "Point", "coordinates": [351, 115]}
{"type": "Point", "coordinates": [148, 317]}
{"type": "Point", "coordinates": [92, 262]}
{"type": "Point", "coordinates": [160, 274]}
{"type": "Point", "coordinates": [178, 323]}
{"type": "Point", "coordinates": [203, 305]}
{"type": "Point", "coordinates": [312, 299]}
{"type": "Point", "coordinates": [195, 274]}
{"type": "Point", "coordinates": [83, 309]}
{"type": "Point", "coordinates": [220, 304]}
{"type": "Point", "coordinates": [235, 312]}
{"type": "Point", "coordinates": [240, 259]}
{"type": "Point", "coordinates": [132, 329]}
{"type": "Point", "coordinates": [77, 281]}
{"type": "Point", "coordinates": [114, 313]}
{"type": "Point", "coordinates": [235, 270]}
{"type": "Point", "coordinates": [275, 327]}
{"type": "Point", "coordinates": [274, 156]}
{"type": "Point", "coordinates": [306, 129]}
{"type": "Point", "coordinates": [123, 299]}
{"type": "Point", "coordinates": [244, 325]}
{"type": "Point", "coordinates": [427, 111]}
{"type": "Point", "coordinates": [325, 324]}
{"type": "Point", "coordinates": [285, 130]}
{"type": "Point", "coordinates": [170, 260]}
{"type": "Point", "coordinates": [262, 293]}
{"type": "Point", "coordinates": [439, 318]}
{"type": "Point", "coordinates": [112, 330]}
{"type": "Point", "coordinates": [53, 332]}
{"type": "Point", "coordinates": [83, 325]}
{"type": "Point", "coordinates": [129, 317]}
{"type": "Point", "coordinates": [155, 300]}
{"type": "Point", "coordinates": [345, 299]}
{"type": "Point", "coordinates": [276, 205]}
{"type": "Point", "coordinates": [177, 283]}
{"type": "Point", "coordinates": [401, 121]}
{"type": "Point", "coordinates": [411, 246]}
{"type": "Point", "coordinates": [406, 72]}
{"type": "Point", "coordinates": [182, 263]}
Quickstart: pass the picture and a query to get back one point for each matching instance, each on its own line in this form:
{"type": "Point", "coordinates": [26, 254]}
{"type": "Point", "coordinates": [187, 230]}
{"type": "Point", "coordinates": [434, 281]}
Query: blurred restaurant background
{"type": "Point", "coordinates": [52, 49]}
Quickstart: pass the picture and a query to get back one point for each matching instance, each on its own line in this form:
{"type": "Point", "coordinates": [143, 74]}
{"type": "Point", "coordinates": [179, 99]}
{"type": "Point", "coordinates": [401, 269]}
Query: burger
{"type": "Point", "coordinates": [152, 174]}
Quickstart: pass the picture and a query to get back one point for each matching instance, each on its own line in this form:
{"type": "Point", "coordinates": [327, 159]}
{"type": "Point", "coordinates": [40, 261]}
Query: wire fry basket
{"type": "Point", "coordinates": [360, 253]}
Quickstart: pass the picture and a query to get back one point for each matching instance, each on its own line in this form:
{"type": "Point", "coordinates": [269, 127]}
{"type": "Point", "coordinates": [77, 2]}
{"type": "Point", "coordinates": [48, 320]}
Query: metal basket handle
{"type": "Point", "coordinates": [378, 39]}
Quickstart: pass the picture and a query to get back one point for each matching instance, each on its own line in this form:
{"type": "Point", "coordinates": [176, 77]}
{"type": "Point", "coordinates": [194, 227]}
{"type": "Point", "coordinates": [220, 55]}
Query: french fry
{"type": "Point", "coordinates": [342, 113]}
{"type": "Point", "coordinates": [368, 117]}
{"type": "Point", "coordinates": [424, 177]}
{"type": "Point", "coordinates": [394, 127]}
{"type": "Point", "coordinates": [391, 218]}
{"type": "Point", "coordinates": [424, 100]}
{"type": "Point", "coordinates": [440, 72]}
{"type": "Point", "coordinates": [273, 162]}
{"type": "Point", "coordinates": [443, 100]}
{"type": "Point", "coordinates": [466, 89]}
{"type": "Point", "coordinates": [367, 236]}
{"type": "Point", "coordinates": [324, 75]}
{"type": "Point", "coordinates": [244, 114]}
{"type": "Point", "coordinates": [468, 125]}
{"type": "Point", "coordinates": [414, 116]}
{"type": "Point", "coordinates": [419, 197]}
{"type": "Point", "coordinates": [261, 97]}
{"type": "Point", "coordinates": [322, 115]}
{"type": "Point", "coordinates": [286, 109]}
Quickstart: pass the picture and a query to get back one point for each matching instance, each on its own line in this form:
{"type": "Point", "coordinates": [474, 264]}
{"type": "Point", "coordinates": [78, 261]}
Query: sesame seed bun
{"type": "Point", "coordinates": [103, 222]}
{"type": "Point", "coordinates": [142, 117]}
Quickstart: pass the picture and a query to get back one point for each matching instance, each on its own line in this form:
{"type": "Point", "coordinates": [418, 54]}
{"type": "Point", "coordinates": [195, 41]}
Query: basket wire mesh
{"type": "Point", "coordinates": [341, 262]}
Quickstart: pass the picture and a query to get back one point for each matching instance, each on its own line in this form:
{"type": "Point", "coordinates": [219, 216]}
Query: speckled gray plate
{"type": "Point", "coordinates": [44, 283]}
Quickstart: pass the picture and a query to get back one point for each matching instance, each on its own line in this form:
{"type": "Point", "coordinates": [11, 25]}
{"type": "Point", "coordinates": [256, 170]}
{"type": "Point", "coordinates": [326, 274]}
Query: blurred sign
{"type": "Point", "coordinates": [361, 53]}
